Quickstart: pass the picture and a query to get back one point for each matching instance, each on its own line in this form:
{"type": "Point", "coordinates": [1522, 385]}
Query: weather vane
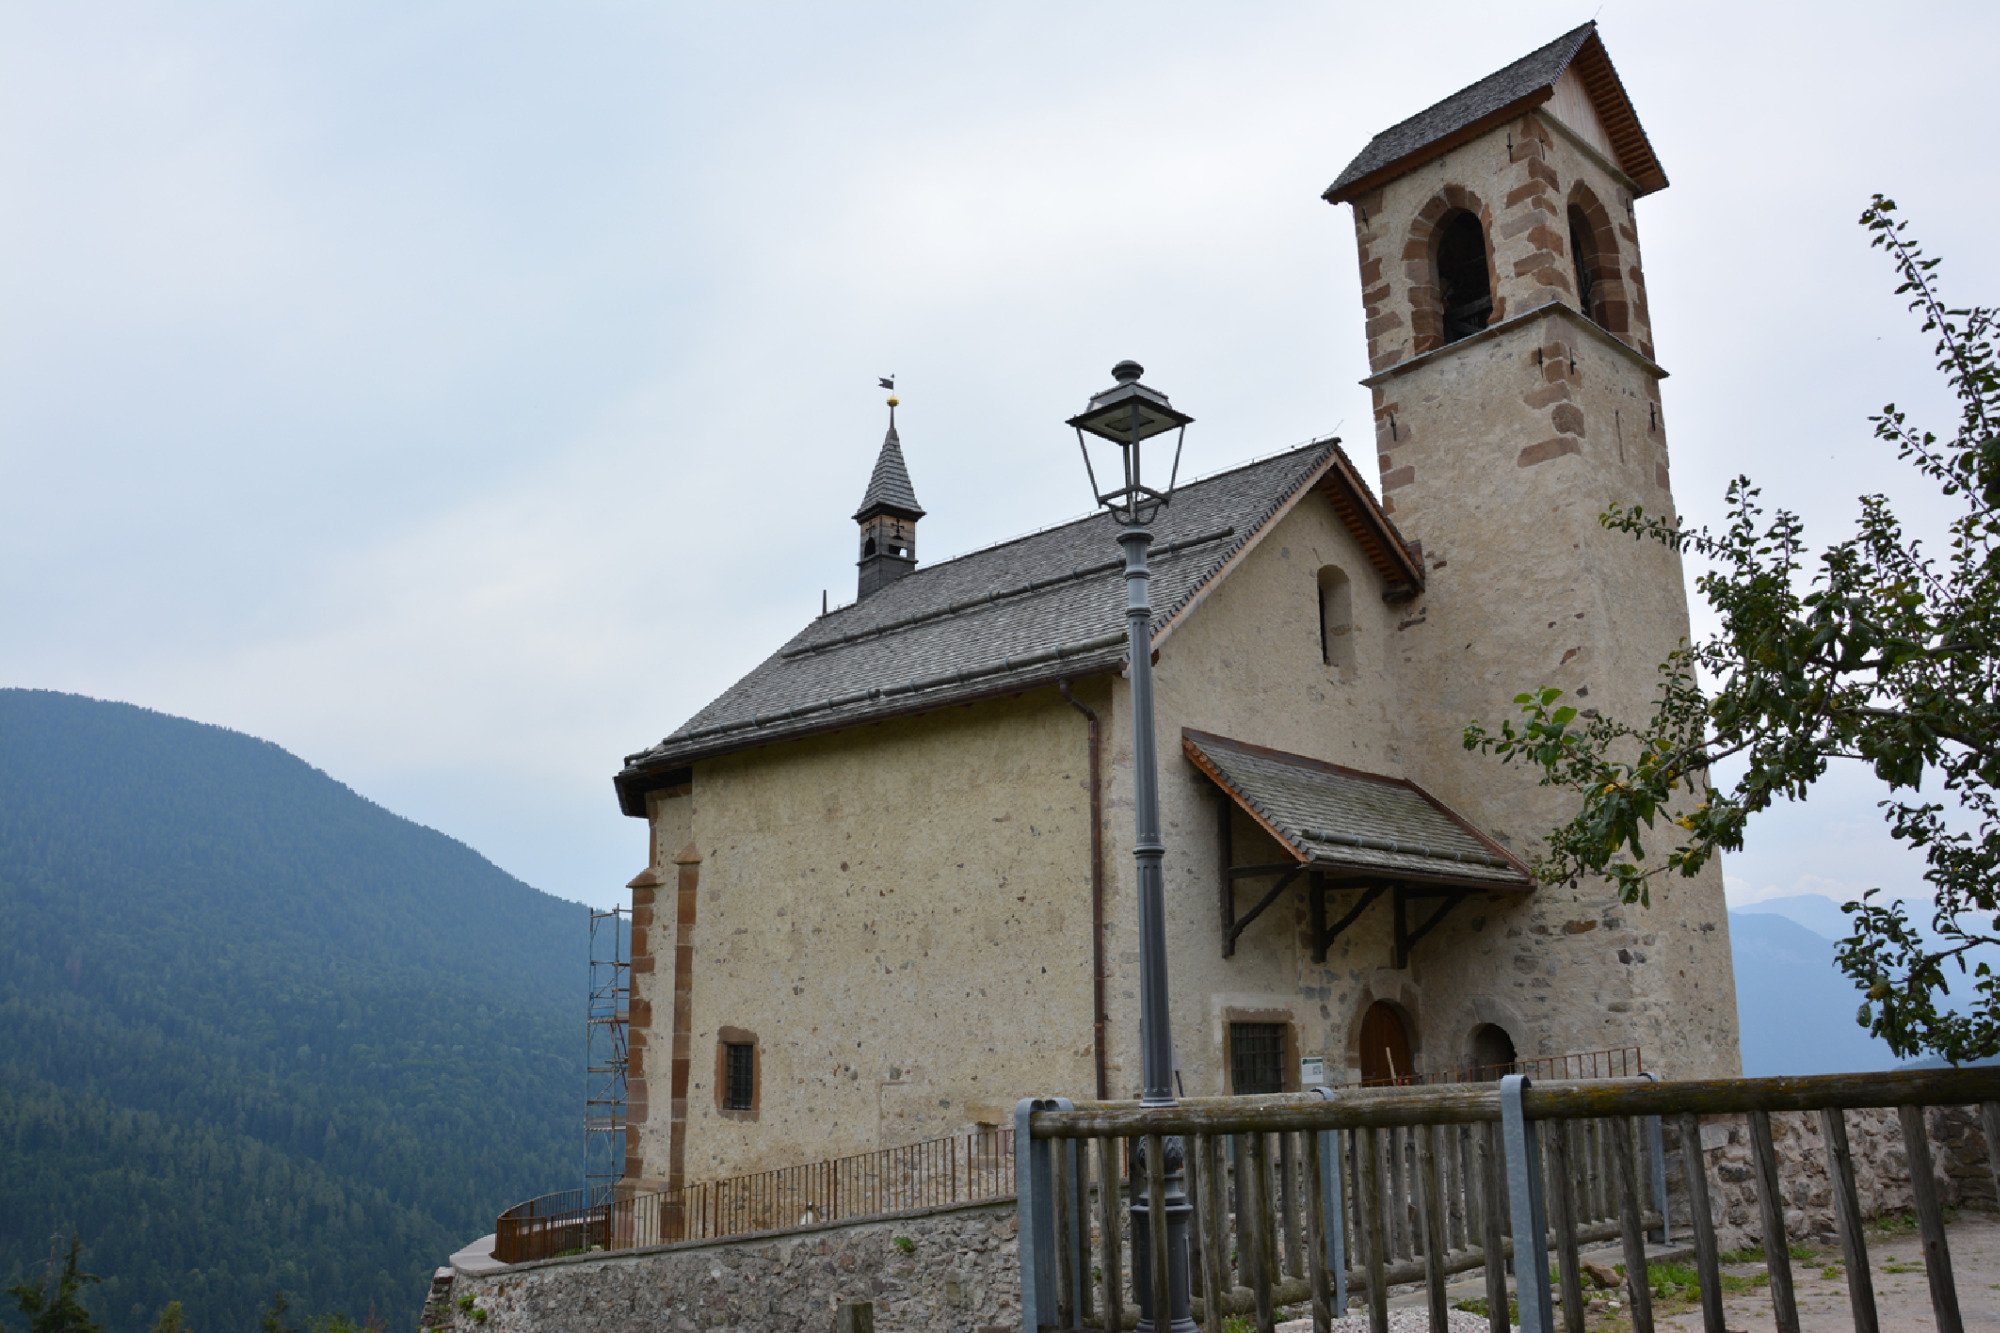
{"type": "Point", "coordinates": [888, 382]}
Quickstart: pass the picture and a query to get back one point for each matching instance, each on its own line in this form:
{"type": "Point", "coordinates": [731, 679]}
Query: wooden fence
{"type": "Point", "coordinates": [1303, 1198]}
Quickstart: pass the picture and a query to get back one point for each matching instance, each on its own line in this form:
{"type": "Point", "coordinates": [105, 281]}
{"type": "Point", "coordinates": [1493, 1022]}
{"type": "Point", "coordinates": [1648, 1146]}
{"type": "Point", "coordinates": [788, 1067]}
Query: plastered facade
{"type": "Point", "coordinates": [900, 914]}
{"type": "Point", "coordinates": [900, 917]}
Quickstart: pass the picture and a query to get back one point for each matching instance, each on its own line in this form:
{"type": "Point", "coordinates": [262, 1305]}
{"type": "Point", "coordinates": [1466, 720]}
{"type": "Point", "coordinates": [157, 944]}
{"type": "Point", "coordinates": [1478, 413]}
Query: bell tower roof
{"type": "Point", "coordinates": [889, 489]}
{"type": "Point", "coordinates": [1573, 73]}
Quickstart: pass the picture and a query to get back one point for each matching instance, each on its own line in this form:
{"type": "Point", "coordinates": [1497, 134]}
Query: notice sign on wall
{"type": "Point", "coordinates": [1312, 1070]}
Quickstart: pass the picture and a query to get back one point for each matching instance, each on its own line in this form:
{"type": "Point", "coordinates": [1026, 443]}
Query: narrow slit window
{"type": "Point", "coordinates": [1336, 618]}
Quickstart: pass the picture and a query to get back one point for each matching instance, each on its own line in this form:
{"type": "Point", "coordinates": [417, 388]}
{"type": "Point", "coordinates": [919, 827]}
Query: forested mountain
{"type": "Point", "coordinates": [257, 1032]}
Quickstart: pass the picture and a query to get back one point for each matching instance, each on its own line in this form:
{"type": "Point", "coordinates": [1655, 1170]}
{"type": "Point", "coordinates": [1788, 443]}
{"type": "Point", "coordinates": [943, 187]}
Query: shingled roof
{"type": "Point", "coordinates": [1027, 612]}
{"type": "Point", "coordinates": [889, 488]}
{"type": "Point", "coordinates": [1348, 821]}
{"type": "Point", "coordinates": [1500, 97]}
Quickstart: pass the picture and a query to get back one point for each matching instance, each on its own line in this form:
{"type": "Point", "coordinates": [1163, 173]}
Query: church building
{"type": "Point", "coordinates": [891, 888]}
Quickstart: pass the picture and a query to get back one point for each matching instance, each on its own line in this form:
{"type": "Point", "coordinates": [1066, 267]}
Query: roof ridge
{"type": "Point", "coordinates": [1543, 49]}
{"type": "Point", "coordinates": [921, 570]}
{"type": "Point", "coordinates": [1527, 81]}
{"type": "Point", "coordinates": [1270, 511]}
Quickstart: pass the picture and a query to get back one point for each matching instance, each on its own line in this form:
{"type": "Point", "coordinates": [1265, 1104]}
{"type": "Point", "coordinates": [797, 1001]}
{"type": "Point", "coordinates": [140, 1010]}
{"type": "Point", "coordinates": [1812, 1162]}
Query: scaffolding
{"type": "Point", "coordinates": [605, 1054]}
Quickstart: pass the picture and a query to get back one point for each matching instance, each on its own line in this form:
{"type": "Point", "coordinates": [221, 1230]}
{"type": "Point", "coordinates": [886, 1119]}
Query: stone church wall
{"type": "Point", "coordinates": [943, 1269]}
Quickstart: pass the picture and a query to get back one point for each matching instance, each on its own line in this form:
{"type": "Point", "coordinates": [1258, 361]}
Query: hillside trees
{"type": "Point", "coordinates": [1874, 649]}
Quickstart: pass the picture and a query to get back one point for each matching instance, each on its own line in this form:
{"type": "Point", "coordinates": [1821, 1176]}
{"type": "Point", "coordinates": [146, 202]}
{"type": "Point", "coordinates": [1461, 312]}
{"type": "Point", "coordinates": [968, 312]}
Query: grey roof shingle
{"type": "Point", "coordinates": [1021, 613]}
{"type": "Point", "coordinates": [1344, 819]}
{"type": "Point", "coordinates": [1533, 72]}
{"type": "Point", "coordinates": [889, 485]}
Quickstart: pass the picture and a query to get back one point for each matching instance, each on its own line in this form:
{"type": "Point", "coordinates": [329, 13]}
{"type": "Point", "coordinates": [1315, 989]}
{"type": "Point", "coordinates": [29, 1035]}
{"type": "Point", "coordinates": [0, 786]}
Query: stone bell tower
{"type": "Point", "coordinates": [888, 517]}
{"type": "Point", "coordinates": [1516, 398]}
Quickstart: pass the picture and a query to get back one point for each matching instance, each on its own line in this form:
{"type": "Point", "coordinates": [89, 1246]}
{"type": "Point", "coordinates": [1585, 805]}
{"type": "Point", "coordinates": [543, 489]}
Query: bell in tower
{"type": "Point", "coordinates": [888, 517]}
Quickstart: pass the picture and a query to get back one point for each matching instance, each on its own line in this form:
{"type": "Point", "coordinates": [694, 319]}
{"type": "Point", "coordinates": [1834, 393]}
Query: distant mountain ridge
{"type": "Point", "coordinates": [1796, 1007]}
{"type": "Point", "coordinates": [257, 1031]}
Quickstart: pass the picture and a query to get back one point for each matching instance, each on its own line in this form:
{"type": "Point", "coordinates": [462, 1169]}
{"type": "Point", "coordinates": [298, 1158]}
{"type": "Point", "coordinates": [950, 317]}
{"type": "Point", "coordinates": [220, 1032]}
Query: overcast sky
{"type": "Point", "coordinates": [462, 394]}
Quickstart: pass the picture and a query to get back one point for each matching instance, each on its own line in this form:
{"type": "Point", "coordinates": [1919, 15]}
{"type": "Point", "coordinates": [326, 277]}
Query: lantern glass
{"type": "Point", "coordinates": [1115, 426]}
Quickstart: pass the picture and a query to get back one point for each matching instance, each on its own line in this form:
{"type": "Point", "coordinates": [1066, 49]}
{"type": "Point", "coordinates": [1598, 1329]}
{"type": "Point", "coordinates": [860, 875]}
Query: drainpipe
{"type": "Point", "coordinates": [1096, 888]}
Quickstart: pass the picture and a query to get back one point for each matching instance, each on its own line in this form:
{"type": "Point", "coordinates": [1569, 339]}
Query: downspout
{"type": "Point", "coordinates": [1096, 888]}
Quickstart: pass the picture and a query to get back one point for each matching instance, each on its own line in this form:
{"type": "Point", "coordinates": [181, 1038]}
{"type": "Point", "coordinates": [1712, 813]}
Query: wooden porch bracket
{"type": "Point", "coordinates": [1233, 925]}
{"type": "Point", "coordinates": [1323, 934]}
{"type": "Point", "coordinates": [1238, 924]}
{"type": "Point", "coordinates": [1406, 938]}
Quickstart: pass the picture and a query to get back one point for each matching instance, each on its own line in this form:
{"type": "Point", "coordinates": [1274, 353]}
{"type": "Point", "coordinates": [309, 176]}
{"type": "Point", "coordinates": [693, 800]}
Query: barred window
{"type": "Point", "coordinates": [1256, 1058]}
{"type": "Point", "coordinates": [739, 1076]}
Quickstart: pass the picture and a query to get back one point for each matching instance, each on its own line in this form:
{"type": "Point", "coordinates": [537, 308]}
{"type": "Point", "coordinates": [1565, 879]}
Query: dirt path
{"type": "Point", "coordinates": [1896, 1265]}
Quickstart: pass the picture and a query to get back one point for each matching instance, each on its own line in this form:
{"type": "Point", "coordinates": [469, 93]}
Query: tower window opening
{"type": "Point", "coordinates": [1464, 282]}
{"type": "Point", "coordinates": [1584, 254]}
{"type": "Point", "coordinates": [868, 547]}
{"type": "Point", "coordinates": [1336, 618]}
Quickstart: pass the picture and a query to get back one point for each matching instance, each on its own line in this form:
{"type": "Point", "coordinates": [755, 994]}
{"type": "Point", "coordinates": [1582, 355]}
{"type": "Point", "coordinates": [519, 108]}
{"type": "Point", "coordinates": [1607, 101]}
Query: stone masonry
{"type": "Point", "coordinates": [1881, 1171]}
{"type": "Point", "coordinates": [938, 1270]}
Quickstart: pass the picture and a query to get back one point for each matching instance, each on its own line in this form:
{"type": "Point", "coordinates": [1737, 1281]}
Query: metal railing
{"type": "Point", "coordinates": [960, 1168]}
{"type": "Point", "coordinates": [1301, 1198]}
{"type": "Point", "coordinates": [1611, 1062]}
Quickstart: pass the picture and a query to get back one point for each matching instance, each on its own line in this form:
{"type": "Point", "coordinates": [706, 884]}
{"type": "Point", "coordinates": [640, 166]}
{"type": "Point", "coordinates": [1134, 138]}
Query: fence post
{"type": "Point", "coordinates": [1524, 1197]}
{"type": "Point", "coordinates": [1077, 1176]}
{"type": "Point", "coordinates": [1336, 1213]}
{"type": "Point", "coordinates": [1656, 1149]}
{"type": "Point", "coordinates": [1035, 1208]}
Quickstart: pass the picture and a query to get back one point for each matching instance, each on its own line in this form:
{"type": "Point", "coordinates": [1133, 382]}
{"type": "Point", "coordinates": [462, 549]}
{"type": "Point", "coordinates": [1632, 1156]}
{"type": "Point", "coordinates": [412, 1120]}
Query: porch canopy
{"type": "Point", "coordinates": [1350, 833]}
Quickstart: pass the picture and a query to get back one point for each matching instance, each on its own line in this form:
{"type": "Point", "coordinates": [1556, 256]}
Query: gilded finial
{"type": "Point", "coordinates": [889, 382]}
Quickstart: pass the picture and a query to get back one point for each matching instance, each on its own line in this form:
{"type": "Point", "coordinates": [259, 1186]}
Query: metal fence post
{"type": "Point", "coordinates": [1336, 1213]}
{"type": "Point", "coordinates": [1656, 1148]}
{"type": "Point", "coordinates": [1524, 1197]}
{"type": "Point", "coordinates": [1035, 1208]}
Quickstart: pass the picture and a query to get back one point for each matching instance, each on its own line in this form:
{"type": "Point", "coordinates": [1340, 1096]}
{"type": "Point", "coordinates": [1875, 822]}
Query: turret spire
{"type": "Point", "coordinates": [888, 514]}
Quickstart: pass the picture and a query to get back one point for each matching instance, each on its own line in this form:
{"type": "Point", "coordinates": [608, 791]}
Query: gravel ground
{"type": "Point", "coordinates": [1896, 1265]}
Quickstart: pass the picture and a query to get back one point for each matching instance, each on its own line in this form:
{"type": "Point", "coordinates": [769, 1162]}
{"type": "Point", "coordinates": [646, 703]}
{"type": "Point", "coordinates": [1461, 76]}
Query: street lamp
{"type": "Point", "coordinates": [1127, 415]}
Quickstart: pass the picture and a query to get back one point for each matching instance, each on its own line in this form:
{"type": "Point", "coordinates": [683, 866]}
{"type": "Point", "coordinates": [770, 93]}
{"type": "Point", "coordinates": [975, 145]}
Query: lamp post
{"type": "Point", "coordinates": [1127, 415]}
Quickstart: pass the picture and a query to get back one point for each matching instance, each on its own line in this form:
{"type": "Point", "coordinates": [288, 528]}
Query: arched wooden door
{"type": "Point", "coordinates": [1385, 1045]}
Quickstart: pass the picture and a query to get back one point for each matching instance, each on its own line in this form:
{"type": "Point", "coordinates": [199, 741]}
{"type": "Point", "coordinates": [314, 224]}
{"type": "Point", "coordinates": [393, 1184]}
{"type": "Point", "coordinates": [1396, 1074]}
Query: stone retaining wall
{"type": "Point", "coordinates": [1881, 1170]}
{"type": "Point", "coordinates": [935, 1270]}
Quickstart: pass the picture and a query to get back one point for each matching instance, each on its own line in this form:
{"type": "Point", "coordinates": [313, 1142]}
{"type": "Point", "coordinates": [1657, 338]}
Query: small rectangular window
{"type": "Point", "coordinates": [739, 1076]}
{"type": "Point", "coordinates": [1256, 1058]}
